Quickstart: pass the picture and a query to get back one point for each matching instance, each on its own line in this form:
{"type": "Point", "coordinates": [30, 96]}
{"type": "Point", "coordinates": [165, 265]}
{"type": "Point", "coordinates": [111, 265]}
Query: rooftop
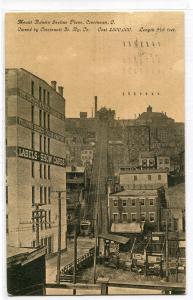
{"type": "Point", "coordinates": [26, 71]}
{"type": "Point", "coordinates": [150, 192]}
{"type": "Point", "coordinates": [23, 255]}
{"type": "Point", "coordinates": [144, 171]}
{"type": "Point", "coordinates": [75, 169]}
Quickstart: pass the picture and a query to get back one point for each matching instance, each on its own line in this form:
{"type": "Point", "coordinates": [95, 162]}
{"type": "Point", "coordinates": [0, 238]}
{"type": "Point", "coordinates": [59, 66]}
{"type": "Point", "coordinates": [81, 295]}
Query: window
{"type": "Point", "coordinates": [124, 217]}
{"type": "Point", "coordinates": [151, 216]}
{"type": "Point", "coordinates": [44, 144]}
{"type": "Point", "coordinates": [142, 217]}
{"type": "Point", "coordinates": [40, 118]}
{"type": "Point", "coordinates": [149, 177]}
{"type": "Point", "coordinates": [41, 220]}
{"type": "Point", "coordinates": [32, 114]}
{"type": "Point", "coordinates": [7, 195]}
{"type": "Point", "coordinates": [44, 96]}
{"type": "Point", "coordinates": [49, 195]}
{"type": "Point", "coordinates": [151, 201]}
{"type": "Point", "coordinates": [133, 217]}
{"type": "Point", "coordinates": [33, 221]}
{"type": "Point", "coordinates": [159, 177]}
{"type": "Point", "coordinates": [33, 244]}
{"type": "Point", "coordinates": [48, 99]}
{"type": "Point", "coordinates": [115, 203]}
{"type": "Point", "coordinates": [49, 145]}
{"type": "Point", "coordinates": [45, 219]}
{"type": "Point", "coordinates": [40, 93]}
{"type": "Point", "coordinates": [151, 162]}
{"type": "Point", "coordinates": [166, 161]}
{"type": "Point", "coordinates": [33, 196]}
{"type": "Point", "coordinates": [40, 170]}
{"type": "Point", "coordinates": [32, 88]}
{"type": "Point", "coordinates": [40, 142]}
{"type": "Point", "coordinates": [144, 162]}
{"type": "Point", "coordinates": [48, 121]}
{"type": "Point", "coordinates": [44, 119]}
{"type": "Point", "coordinates": [142, 201]}
{"type": "Point", "coordinates": [48, 172]}
{"type": "Point", "coordinates": [45, 195]}
{"type": "Point", "coordinates": [49, 218]}
{"type": "Point", "coordinates": [32, 169]}
{"type": "Point", "coordinates": [45, 172]}
{"type": "Point", "coordinates": [175, 224]}
{"type": "Point", "coordinates": [115, 218]}
{"type": "Point", "coordinates": [124, 203]}
{"type": "Point", "coordinates": [133, 202]}
{"type": "Point", "coordinates": [135, 177]}
{"type": "Point", "coordinates": [32, 139]}
{"type": "Point", "coordinates": [41, 194]}
{"type": "Point", "coordinates": [49, 249]}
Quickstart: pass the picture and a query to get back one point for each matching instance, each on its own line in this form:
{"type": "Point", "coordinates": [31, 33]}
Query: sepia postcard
{"type": "Point", "coordinates": [95, 178]}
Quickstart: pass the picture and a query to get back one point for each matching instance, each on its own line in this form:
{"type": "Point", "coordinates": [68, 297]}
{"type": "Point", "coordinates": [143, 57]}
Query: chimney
{"type": "Point", "coordinates": [53, 84]}
{"type": "Point", "coordinates": [60, 90]}
{"type": "Point", "coordinates": [149, 109]}
{"type": "Point", "coordinates": [95, 105]}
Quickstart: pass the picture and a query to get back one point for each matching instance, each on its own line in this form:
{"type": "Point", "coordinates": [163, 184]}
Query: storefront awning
{"type": "Point", "coordinates": [115, 238]}
{"type": "Point", "coordinates": [127, 227]}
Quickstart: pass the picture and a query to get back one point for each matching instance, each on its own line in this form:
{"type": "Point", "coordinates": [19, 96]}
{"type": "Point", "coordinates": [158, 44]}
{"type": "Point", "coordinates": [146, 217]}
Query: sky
{"type": "Point", "coordinates": [129, 60]}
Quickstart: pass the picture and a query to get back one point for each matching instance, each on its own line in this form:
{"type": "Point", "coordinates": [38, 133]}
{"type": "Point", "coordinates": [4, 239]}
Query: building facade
{"type": "Point", "coordinates": [143, 179]}
{"type": "Point", "coordinates": [129, 210]}
{"type": "Point", "coordinates": [36, 160]}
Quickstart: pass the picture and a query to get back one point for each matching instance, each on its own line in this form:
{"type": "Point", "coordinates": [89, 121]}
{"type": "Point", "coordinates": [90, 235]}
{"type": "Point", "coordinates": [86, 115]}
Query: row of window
{"type": "Point", "coordinates": [45, 241]}
{"type": "Point", "coordinates": [87, 152]}
{"type": "Point", "coordinates": [149, 177]}
{"type": "Point", "coordinates": [42, 93]}
{"type": "Point", "coordinates": [44, 143]}
{"type": "Point", "coordinates": [44, 195]}
{"type": "Point", "coordinates": [44, 118]}
{"type": "Point", "coordinates": [87, 157]}
{"type": "Point", "coordinates": [133, 202]}
{"type": "Point", "coordinates": [44, 170]}
{"type": "Point", "coordinates": [124, 217]}
{"type": "Point", "coordinates": [165, 161]}
{"type": "Point", "coordinates": [41, 219]}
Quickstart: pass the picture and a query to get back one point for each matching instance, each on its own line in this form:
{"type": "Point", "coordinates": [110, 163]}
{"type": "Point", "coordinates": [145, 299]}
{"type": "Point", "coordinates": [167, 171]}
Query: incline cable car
{"type": "Point", "coordinates": [85, 227]}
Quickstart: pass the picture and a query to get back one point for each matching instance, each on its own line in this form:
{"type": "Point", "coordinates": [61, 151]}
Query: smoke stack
{"type": "Point", "coordinates": [53, 84]}
{"type": "Point", "coordinates": [60, 90]}
{"type": "Point", "coordinates": [95, 105]}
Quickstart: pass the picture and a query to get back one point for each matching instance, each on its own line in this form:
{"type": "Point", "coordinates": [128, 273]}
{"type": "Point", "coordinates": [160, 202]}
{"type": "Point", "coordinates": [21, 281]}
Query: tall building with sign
{"type": "Point", "coordinates": [36, 160]}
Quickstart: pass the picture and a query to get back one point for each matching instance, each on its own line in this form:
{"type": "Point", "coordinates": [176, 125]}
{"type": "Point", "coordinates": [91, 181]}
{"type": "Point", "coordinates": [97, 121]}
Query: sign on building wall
{"type": "Point", "coordinates": [36, 155]}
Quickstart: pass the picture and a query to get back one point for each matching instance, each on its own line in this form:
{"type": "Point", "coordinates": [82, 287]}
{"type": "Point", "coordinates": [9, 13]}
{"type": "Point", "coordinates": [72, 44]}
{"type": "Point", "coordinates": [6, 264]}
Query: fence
{"type": "Point", "coordinates": [105, 286]}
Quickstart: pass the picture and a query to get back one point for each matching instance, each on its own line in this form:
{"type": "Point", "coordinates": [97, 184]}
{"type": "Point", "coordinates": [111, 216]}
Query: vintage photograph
{"type": "Point", "coordinates": [95, 178]}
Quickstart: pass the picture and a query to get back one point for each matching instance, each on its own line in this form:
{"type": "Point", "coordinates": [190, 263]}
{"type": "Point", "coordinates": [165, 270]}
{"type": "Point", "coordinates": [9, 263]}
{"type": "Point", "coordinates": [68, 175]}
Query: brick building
{"type": "Point", "coordinates": [143, 179]}
{"type": "Point", "coordinates": [128, 209]}
{"type": "Point", "coordinates": [36, 159]}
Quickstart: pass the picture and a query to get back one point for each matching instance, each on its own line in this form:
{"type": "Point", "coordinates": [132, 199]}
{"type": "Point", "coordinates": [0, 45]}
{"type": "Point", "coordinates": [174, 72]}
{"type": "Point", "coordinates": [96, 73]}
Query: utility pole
{"type": "Point", "coordinates": [37, 218]}
{"type": "Point", "coordinates": [59, 235]}
{"type": "Point", "coordinates": [77, 214]}
{"type": "Point", "coordinates": [167, 271]}
{"type": "Point", "coordinates": [177, 258]}
{"type": "Point", "coordinates": [97, 216]}
{"type": "Point", "coordinates": [95, 250]}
